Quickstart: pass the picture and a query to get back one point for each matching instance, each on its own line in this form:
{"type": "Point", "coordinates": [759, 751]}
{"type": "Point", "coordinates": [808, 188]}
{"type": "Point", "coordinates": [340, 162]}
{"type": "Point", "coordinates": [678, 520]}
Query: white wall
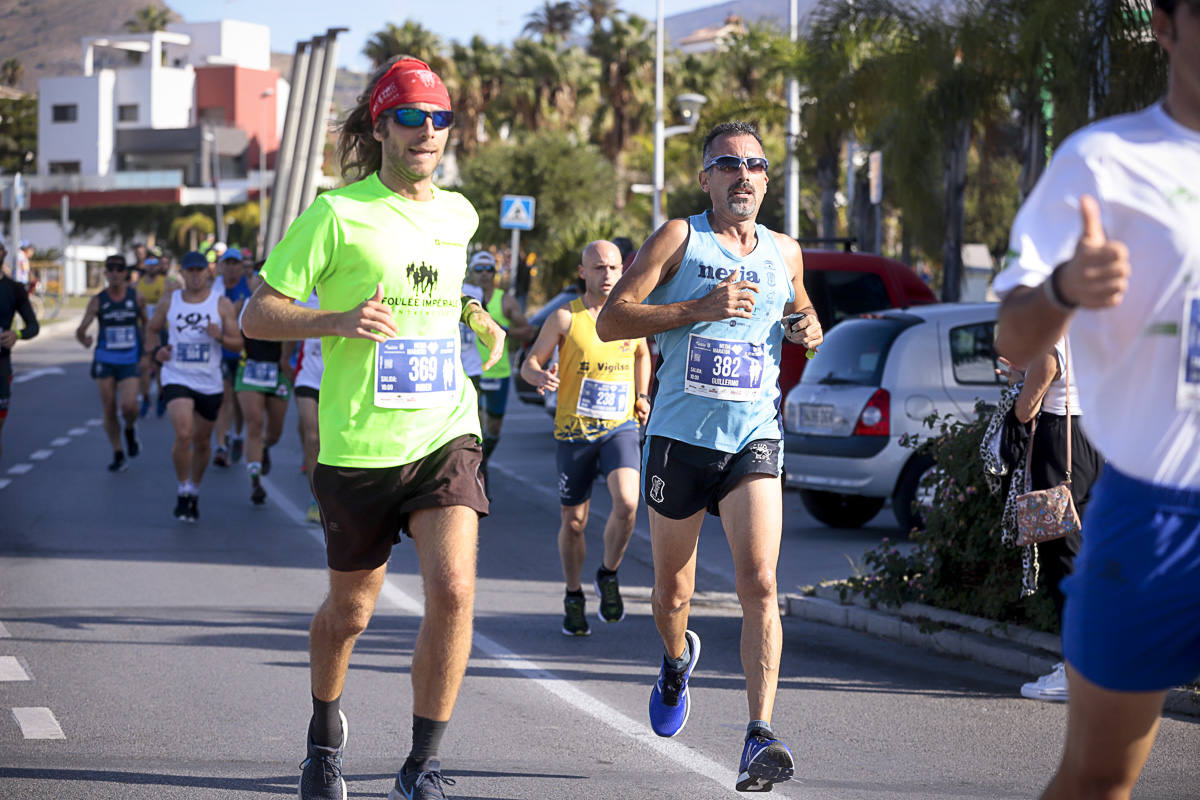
{"type": "Point", "coordinates": [229, 41]}
{"type": "Point", "coordinates": [88, 140]}
{"type": "Point", "coordinates": [173, 98]}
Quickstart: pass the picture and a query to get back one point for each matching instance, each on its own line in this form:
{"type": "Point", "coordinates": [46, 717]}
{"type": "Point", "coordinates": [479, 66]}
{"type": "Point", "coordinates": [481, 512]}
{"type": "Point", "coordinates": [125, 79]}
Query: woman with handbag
{"type": "Point", "coordinates": [1059, 452]}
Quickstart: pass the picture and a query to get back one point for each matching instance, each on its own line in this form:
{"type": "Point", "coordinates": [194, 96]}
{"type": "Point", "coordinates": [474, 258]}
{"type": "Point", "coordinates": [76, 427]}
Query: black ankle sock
{"type": "Point", "coordinates": [326, 725]}
{"type": "Point", "coordinates": [577, 593]}
{"type": "Point", "coordinates": [427, 738]}
{"type": "Point", "coordinates": [605, 572]}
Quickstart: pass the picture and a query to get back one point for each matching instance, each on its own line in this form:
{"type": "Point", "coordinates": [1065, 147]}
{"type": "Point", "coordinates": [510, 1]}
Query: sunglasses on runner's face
{"type": "Point", "coordinates": [753, 164]}
{"type": "Point", "coordinates": [415, 118]}
{"type": "Point", "coordinates": [484, 269]}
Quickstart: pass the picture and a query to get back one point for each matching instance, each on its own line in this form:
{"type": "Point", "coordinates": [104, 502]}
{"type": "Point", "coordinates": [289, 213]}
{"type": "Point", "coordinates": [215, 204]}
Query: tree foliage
{"type": "Point", "coordinates": [18, 134]}
{"type": "Point", "coordinates": [149, 19]}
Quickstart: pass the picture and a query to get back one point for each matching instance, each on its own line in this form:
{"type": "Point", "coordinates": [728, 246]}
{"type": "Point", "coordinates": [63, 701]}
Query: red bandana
{"type": "Point", "coordinates": [408, 81]}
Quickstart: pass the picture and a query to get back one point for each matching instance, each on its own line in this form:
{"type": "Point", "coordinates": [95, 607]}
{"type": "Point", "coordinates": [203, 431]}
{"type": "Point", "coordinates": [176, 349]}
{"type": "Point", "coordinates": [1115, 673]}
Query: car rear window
{"type": "Point", "coordinates": [840, 293]}
{"type": "Point", "coordinates": [856, 351]}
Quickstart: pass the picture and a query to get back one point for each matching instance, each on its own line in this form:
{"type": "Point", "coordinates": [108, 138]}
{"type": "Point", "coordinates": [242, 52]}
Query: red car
{"type": "Point", "coordinates": [843, 285]}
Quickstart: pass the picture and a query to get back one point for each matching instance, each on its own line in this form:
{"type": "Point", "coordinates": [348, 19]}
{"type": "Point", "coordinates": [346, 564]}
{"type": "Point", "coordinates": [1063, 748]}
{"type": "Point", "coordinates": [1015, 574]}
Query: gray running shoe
{"type": "Point", "coordinates": [575, 618]}
{"type": "Point", "coordinates": [423, 784]}
{"type": "Point", "coordinates": [608, 589]}
{"type": "Point", "coordinates": [321, 772]}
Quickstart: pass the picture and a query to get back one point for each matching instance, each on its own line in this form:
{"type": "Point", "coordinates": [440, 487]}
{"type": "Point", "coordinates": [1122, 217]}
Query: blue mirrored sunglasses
{"type": "Point", "coordinates": [484, 268]}
{"type": "Point", "coordinates": [734, 163]}
{"type": "Point", "coordinates": [415, 118]}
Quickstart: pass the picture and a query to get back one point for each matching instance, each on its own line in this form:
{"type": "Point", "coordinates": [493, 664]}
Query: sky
{"type": "Point", "coordinates": [498, 21]}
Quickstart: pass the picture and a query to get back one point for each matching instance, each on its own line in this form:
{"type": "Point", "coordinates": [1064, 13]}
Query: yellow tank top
{"type": "Point", "coordinates": [596, 394]}
{"type": "Point", "coordinates": [152, 287]}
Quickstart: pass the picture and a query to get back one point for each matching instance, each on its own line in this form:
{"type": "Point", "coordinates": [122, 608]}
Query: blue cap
{"type": "Point", "coordinates": [193, 260]}
{"type": "Point", "coordinates": [231, 254]}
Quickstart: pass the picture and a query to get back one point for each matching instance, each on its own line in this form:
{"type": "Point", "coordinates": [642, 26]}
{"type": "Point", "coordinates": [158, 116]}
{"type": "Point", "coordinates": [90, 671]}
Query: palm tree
{"type": "Point", "coordinates": [480, 70]}
{"type": "Point", "coordinates": [186, 231]}
{"type": "Point", "coordinates": [11, 72]}
{"type": "Point", "coordinates": [411, 39]}
{"type": "Point", "coordinates": [149, 19]}
{"type": "Point", "coordinates": [552, 20]}
{"type": "Point", "coordinates": [597, 10]}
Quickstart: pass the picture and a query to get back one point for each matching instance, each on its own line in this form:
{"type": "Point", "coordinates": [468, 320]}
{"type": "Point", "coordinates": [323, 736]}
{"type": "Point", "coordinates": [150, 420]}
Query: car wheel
{"type": "Point", "coordinates": [841, 510]}
{"type": "Point", "coordinates": [909, 492]}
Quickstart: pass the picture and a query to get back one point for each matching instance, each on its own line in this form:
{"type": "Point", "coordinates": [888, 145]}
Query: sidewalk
{"type": "Point", "coordinates": [1009, 647]}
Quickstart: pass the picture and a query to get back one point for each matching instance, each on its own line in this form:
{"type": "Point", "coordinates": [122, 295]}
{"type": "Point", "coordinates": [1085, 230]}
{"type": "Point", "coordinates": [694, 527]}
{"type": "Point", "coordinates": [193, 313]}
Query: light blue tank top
{"type": "Point", "coordinates": [718, 382]}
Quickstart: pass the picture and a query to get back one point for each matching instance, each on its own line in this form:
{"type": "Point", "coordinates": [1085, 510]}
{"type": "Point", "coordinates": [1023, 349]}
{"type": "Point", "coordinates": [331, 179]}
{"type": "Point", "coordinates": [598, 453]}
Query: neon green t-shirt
{"type": "Point", "coordinates": [345, 243]}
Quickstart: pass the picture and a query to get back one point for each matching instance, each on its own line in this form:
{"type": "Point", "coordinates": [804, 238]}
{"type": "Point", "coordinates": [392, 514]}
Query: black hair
{"type": "Point", "coordinates": [117, 260]}
{"type": "Point", "coordinates": [358, 152]}
{"type": "Point", "coordinates": [1169, 6]}
{"type": "Point", "coordinates": [734, 128]}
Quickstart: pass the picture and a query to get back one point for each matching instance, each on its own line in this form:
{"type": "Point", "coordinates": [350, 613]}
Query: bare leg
{"type": "Point", "coordinates": [572, 545]}
{"type": "Point", "coordinates": [673, 542]}
{"type": "Point", "coordinates": [446, 540]}
{"type": "Point", "coordinates": [182, 411]}
{"type": "Point", "coordinates": [1109, 735]}
{"type": "Point", "coordinates": [108, 401]}
{"type": "Point", "coordinates": [752, 515]}
{"type": "Point", "coordinates": [336, 627]}
{"type": "Point", "coordinates": [623, 488]}
{"type": "Point", "coordinates": [128, 394]}
{"type": "Point", "coordinates": [201, 447]}
{"type": "Point", "coordinates": [253, 406]}
{"type": "Point", "coordinates": [276, 411]}
{"type": "Point", "coordinates": [225, 415]}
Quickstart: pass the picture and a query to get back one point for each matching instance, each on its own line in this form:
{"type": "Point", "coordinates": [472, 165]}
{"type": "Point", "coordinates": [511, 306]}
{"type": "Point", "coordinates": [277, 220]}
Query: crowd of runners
{"type": "Point", "coordinates": [401, 376]}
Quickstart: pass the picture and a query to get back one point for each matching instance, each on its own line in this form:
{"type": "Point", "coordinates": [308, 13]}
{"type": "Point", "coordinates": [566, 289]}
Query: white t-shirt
{"type": "Point", "coordinates": [312, 362]}
{"type": "Point", "coordinates": [1143, 170]}
{"type": "Point", "coordinates": [1055, 399]}
{"type": "Point", "coordinates": [472, 363]}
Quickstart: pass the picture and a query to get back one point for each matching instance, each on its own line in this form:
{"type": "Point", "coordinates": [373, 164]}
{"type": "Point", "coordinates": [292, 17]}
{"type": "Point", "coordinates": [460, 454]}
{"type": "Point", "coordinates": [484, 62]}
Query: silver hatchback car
{"type": "Point", "coordinates": [874, 380]}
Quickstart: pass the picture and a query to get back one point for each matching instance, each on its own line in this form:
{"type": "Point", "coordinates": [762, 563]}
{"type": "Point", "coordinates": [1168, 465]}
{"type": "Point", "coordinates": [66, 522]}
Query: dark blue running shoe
{"type": "Point", "coordinates": [424, 784]}
{"type": "Point", "coordinates": [765, 762]}
{"type": "Point", "coordinates": [670, 701]}
{"type": "Point", "coordinates": [321, 772]}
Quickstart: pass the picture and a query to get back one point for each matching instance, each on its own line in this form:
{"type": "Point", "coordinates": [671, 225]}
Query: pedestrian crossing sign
{"type": "Point", "coordinates": [516, 212]}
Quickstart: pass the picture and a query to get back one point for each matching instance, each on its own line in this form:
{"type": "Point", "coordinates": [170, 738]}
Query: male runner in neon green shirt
{"type": "Point", "coordinates": [399, 433]}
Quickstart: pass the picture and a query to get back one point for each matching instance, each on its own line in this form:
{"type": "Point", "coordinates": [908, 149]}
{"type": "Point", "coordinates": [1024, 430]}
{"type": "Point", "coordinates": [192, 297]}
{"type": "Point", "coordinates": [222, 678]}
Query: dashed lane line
{"type": "Point", "coordinates": [583, 702]}
{"type": "Point", "coordinates": [19, 469]}
{"type": "Point", "coordinates": [95, 422]}
{"type": "Point", "coordinates": [77, 431]}
{"type": "Point", "coordinates": [61, 441]}
{"type": "Point", "coordinates": [40, 455]}
{"type": "Point", "coordinates": [5, 482]}
{"type": "Point", "coordinates": [11, 670]}
{"type": "Point", "coordinates": [38, 722]}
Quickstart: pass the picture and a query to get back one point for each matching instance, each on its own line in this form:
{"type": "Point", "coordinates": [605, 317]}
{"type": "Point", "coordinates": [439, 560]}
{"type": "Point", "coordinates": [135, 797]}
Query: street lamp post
{"type": "Point", "coordinates": [689, 108]}
{"type": "Point", "coordinates": [211, 137]}
{"type": "Point", "coordinates": [262, 172]}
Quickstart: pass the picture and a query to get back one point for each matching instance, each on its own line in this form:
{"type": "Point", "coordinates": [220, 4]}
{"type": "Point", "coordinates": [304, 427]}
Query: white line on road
{"type": "Point", "coordinates": [11, 670]}
{"type": "Point", "coordinates": [77, 431]}
{"type": "Point", "coordinates": [41, 455]}
{"type": "Point", "coordinates": [61, 441]}
{"type": "Point", "coordinates": [21, 377]}
{"type": "Point", "coordinates": [38, 723]}
{"type": "Point", "coordinates": [19, 469]}
{"type": "Point", "coordinates": [4, 634]}
{"type": "Point", "coordinates": [95, 422]}
{"type": "Point", "coordinates": [4, 482]}
{"type": "Point", "coordinates": [548, 681]}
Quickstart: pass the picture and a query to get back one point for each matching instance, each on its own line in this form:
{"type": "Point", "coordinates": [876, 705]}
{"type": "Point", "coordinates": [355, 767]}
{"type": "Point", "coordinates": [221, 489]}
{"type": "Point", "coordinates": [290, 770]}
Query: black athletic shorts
{"type": "Point", "coordinates": [6, 376]}
{"type": "Point", "coordinates": [207, 405]}
{"type": "Point", "coordinates": [364, 510]}
{"type": "Point", "coordinates": [580, 462]}
{"type": "Point", "coordinates": [679, 479]}
{"type": "Point", "coordinates": [309, 392]}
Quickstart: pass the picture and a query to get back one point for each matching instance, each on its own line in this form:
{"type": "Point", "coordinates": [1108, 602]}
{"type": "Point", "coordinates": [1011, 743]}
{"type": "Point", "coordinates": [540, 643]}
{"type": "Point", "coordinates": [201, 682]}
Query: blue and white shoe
{"type": "Point", "coordinates": [421, 784]}
{"type": "Point", "coordinates": [670, 702]}
{"type": "Point", "coordinates": [765, 762]}
{"type": "Point", "coordinates": [321, 772]}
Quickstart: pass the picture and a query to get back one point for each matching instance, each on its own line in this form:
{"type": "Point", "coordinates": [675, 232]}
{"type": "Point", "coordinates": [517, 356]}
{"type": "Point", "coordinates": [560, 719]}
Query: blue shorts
{"type": "Point", "coordinates": [101, 370]}
{"type": "Point", "coordinates": [1132, 619]}
{"type": "Point", "coordinates": [494, 400]}
{"type": "Point", "coordinates": [580, 462]}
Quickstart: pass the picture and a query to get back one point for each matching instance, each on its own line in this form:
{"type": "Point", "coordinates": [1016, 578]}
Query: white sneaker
{"type": "Point", "coordinates": [1052, 687]}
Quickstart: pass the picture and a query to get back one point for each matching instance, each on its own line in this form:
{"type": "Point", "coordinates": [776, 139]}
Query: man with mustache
{"type": "Point", "coordinates": [714, 289]}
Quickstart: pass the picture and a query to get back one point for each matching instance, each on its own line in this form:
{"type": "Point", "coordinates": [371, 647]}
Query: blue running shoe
{"type": "Point", "coordinates": [765, 762]}
{"type": "Point", "coordinates": [144, 408]}
{"type": "Point", "coordinates": [425, 784]}
{"type": "Point", "coordinates": [670, 702]}
{"type": "Point", "coordinates": [321, 772]}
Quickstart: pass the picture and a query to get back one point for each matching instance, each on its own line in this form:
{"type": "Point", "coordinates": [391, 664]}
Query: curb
{"type": "Point", "coordinates": [1008, 647]}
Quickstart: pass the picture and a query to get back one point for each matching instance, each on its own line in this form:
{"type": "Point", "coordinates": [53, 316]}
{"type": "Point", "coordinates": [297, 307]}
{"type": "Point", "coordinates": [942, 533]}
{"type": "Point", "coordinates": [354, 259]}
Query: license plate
{"type": "Point", "coordinates": [817, 416]}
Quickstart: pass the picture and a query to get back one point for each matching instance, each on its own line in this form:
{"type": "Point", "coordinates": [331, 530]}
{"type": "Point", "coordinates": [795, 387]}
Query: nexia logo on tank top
{"type": "Point", "coordinates": [705, 272]}
{"type": "Point", "coordinates": [423, 277]}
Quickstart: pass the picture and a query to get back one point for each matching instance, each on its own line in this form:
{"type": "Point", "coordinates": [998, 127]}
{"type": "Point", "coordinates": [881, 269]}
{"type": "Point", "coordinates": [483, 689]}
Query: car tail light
{"type": "Point", "coordinates": [875, 419]}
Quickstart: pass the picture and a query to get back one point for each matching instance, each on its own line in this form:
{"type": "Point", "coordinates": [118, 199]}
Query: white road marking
{"type": "Point", "coordinates": [61, 441]}
{"type": "Point", "coordinates": [19, 469]}
{"type": "Point", "coordinates": [21, 377]}
{"type": "Point", "coordinates": [4, 634]}
{"type": "Point", "coordinates": [95, 422]}
{"type": "Point", "coordinates": [640, 732]}
{"type": "Point", "coordinates": [77, 431]}
{"type": "Point", "coordinates": [11, 670]}
{"type": "Point", "coordinates": [4, 482]}
{"type": "Point", "coordinates": [38, 723]}
{"type": "Point", "coordinates": [41, 455]}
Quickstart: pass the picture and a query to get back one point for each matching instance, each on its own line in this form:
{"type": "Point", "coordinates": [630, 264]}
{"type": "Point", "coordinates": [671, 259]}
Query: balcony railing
{"type": "Point", "coordinates": [147, 179]}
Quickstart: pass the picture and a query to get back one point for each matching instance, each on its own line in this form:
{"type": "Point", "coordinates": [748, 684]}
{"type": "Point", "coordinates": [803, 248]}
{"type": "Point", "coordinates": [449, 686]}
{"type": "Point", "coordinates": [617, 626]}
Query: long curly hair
{"type": "Point", "coordinates": [359, 153]}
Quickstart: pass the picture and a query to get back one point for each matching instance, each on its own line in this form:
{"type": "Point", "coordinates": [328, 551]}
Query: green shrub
{"type": "Point", "coordinates": [958, 562]}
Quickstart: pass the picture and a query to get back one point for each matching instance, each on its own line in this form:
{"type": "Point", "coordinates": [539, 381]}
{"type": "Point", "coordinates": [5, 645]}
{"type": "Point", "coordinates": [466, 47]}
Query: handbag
{"type": "Point", "coordinates": [1048, 514]}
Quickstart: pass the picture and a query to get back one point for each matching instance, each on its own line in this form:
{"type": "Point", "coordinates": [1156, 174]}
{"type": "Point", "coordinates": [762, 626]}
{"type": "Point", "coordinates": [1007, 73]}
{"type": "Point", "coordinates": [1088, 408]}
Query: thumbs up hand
{"type": "Point", "coordinates": [371, 319]}
{"type": "Point", "coordinates": [1097, 276]}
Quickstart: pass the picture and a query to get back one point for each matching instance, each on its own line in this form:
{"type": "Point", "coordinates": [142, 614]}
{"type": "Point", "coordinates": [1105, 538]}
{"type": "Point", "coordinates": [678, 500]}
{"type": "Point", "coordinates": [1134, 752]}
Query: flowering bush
{"type": "Point", "coordinates": [958, 562]}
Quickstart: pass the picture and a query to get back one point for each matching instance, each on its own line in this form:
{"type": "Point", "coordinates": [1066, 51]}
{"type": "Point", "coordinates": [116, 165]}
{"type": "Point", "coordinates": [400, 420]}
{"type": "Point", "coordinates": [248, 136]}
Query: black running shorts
{"type": "Point", "coordinates": [580, 462]}
{"type": "Point", "coordinates": [206, 405]}
{"type": "Point", "coordinates": [364, 510]}
{"type": "Point", "coordinates": [679, 479]}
